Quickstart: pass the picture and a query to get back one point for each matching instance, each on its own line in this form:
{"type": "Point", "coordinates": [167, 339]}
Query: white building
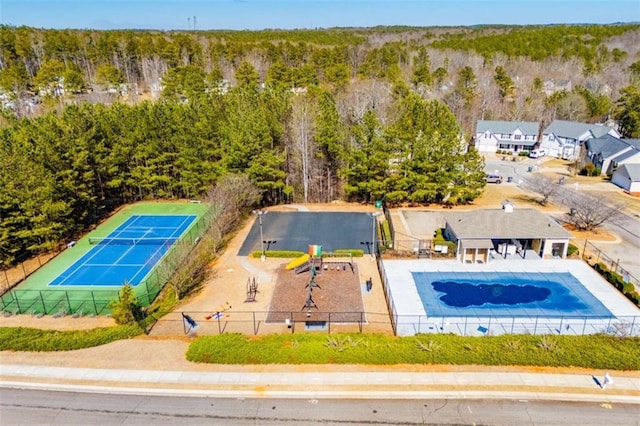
{"type": "Point", "coordinates": [505, 135]}
{"type": "Point", "coordinates": [563, 139]}
{"type": "Point", "coordinates": [627, 177]}
{"type": "Point", "coordinates": [609, 153]}
{"type": "Point", "coordinates": [482, 235]}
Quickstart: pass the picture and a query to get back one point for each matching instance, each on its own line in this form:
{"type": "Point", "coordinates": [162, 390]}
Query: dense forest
{"type": "Point", "coordinates": [95, 119]}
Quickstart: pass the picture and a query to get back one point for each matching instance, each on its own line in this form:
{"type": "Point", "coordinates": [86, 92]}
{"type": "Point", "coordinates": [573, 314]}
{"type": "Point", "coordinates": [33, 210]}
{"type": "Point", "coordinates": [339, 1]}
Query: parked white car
{"type": "Point", "coordinates": [537, 153]}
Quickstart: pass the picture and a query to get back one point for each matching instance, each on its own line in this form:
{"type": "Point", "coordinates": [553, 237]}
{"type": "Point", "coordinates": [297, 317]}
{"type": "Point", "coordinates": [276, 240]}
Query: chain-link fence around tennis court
{"type": "Point", "coordinates": [88, 301]}
{"type": "Point", "coordinates": [25, 265]}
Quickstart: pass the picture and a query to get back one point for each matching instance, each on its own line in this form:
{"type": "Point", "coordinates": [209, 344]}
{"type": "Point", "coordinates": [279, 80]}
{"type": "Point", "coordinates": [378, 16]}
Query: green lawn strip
{"type": "Point", "coordinates": [595, 351]}
{"type": "Point", "coordinates": [36, 340]}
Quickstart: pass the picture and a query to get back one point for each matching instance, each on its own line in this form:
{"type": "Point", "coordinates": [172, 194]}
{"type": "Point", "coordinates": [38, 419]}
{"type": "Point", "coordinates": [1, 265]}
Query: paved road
{"type": "Point", "coordinates": [69, 408]}
{"type": "Point", "coordinates": [626, 226]}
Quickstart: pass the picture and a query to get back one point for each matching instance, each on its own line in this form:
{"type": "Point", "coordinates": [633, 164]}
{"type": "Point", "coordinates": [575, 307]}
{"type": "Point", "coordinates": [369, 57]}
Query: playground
{"type": "Point", "coordinates": [253, 308]}
{"type": "Point", "coordinates": [318, 291]}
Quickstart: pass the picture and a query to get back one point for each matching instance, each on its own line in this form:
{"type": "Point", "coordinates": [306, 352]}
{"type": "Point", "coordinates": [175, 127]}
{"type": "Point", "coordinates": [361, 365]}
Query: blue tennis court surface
{"type": "Point", "coordinates": [463, 294]}
{"type": "Point", "coordinates": [128, 253]}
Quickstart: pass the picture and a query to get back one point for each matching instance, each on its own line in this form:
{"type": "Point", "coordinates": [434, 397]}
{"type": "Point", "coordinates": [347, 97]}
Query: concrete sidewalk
{"type": "Point", "coordinates": [397, 385]}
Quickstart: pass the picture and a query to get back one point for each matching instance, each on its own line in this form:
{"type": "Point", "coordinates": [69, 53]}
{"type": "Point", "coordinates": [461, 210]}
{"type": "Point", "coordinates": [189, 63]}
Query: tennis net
{"type": "Point", "coordinates": [132, 241]}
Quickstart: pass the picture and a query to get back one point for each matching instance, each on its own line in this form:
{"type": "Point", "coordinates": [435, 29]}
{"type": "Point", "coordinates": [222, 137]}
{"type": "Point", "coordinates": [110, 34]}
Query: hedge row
{"type": "Point", "coordinates": [618, 282]}
{"type": "Point", "coordinates": [596, 351]}
{"type": "Point", "coordinates": [36, 340]}
{"type": "Point", "coordinates": [293, 254]}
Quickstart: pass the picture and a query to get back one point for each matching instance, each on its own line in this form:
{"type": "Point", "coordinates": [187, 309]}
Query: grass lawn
{"type": "Point", "coordinates": [596, 351]}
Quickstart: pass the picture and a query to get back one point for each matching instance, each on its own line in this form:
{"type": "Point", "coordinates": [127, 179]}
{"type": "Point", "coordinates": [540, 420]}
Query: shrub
{"type": "Point", "coordinates": [345, 253]}
{"type": "Point", "coordinates": [37, 340]}
{"type": "Point", "coordinates": [126, 309]}
{"type": "Point", "coordinates": [386, 233]}
{"type": "Point", "coordinates": [523, 153]}
{"type": "Point", "coordinates": [590, 170]}
{"type": "Point", "coordinates": [572, 249]}
{"type": "Point", "coordinates": [278, 254]}
{"type": "Point", "coordinates": [615, 279]}
{"type": "Point", "coordinates": [288, 254]}
{"type": "Point", "coordinates": [439, 239]}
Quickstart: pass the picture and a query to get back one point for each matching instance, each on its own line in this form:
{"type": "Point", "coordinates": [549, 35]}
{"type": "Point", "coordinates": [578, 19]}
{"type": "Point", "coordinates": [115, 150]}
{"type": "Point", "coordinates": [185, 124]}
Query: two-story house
{"type": "Point", "coordinates": [505, 135]}
{"type": "Point", "coordinates": [608, 152]}
{"type": "Point", "coordinates": [563, 139]}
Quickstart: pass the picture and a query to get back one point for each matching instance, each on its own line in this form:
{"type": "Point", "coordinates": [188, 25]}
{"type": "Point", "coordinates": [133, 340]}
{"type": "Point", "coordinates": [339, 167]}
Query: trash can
{"type": "Point", "coordinates": [509, 179]}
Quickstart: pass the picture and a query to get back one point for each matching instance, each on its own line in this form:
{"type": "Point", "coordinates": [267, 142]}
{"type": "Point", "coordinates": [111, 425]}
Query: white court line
{"type": "Point", "coordinates": [86, 262]}
{"type": "Point", "coordinates": [187, 218]}
{"type": "Point", "coordinates": [151, 227]}
{"type": "Point", "coordinates": [127, 227]}
{"type": "Point", "coordinates": [120, 264]}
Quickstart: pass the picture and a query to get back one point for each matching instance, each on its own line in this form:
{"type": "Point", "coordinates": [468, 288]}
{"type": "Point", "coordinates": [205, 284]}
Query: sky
{"type": "Point", "coordinates": [289, 14]}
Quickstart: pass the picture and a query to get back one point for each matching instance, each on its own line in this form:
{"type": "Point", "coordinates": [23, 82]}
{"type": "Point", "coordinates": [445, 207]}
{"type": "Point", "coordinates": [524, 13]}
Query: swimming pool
{"type": "Point", "coordinates": [499, 294]}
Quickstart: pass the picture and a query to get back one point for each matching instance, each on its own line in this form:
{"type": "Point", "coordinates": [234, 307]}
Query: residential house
{"type": "Point", "coordinates": [563, 139]}
{"type": "Point", "coordinates": [608, 152]}
{"type": "Point", "coordinates": [483, 235]}
{"type": "Point", "coordinates": [505, 135]}
{"type": "Point", "coordinates": [627, 177]}
{"type": "Point", "coordinates": [552, 86]}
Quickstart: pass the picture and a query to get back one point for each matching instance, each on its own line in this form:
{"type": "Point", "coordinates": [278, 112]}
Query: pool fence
{"type": "Point", "coordinates": [479, 325]}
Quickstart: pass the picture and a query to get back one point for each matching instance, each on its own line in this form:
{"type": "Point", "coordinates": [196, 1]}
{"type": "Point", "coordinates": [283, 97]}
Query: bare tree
{"type": "Point", "coordinates": [229, 198]}
{"type": "Point", "coordinates": [587, 213]}
{"type": "Point", "coordinates": [542, 185]}
{"type": "Point", "coordinates": [300, 146]}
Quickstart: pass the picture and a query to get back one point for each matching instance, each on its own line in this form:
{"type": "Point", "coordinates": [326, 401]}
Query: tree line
{"type": "Point", "coordinates": [492, 72]}
{"type": "Point", "coordinates": [305, 115]}
{"type": "Point", "coordinates": [62, 172]}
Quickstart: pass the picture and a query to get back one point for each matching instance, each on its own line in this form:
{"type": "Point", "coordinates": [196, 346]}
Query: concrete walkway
{"type": "Point", "coordinates": [405, 385]}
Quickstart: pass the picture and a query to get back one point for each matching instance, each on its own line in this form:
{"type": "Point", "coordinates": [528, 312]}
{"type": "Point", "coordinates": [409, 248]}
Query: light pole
{"type": "Point", "coordinates": [373, 234]}
{"type": "Point", "coordinates": [260, 213]}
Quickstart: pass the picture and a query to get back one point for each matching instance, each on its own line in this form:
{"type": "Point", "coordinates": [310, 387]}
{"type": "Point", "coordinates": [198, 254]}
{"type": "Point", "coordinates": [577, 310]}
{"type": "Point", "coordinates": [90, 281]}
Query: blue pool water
{"type": "Point", "coordinates": [506, 294]}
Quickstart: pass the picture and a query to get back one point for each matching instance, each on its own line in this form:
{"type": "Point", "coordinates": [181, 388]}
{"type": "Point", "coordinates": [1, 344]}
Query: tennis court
{"type": "Point", "coordinates": [128, 253]}
{"type": "Point", "coordinates": [141, 244]}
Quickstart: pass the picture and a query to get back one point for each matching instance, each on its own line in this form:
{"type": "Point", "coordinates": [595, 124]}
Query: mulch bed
{"type": "Point", "coordinates": [338, 296]}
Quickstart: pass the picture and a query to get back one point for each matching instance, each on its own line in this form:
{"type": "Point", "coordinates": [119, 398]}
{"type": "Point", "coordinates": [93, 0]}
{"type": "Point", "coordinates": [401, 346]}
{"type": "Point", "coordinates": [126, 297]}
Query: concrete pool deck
{"type": "Point", "coordinates": [411, 318]}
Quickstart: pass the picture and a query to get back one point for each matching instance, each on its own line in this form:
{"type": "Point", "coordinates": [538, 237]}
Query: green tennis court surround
{"type": "Point", "coordinates": [71, 284]}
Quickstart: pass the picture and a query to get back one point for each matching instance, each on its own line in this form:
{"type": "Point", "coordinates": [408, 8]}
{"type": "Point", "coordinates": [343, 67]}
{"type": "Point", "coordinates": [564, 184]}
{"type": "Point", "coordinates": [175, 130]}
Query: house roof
{"type": "Point", "coordinates": [625, 155]}
{"type": "Point", "coordinates": [610, 146]}
{"type": "Point", "coordinates": [498, 224]}
{"type": "Point", "coordinates": [633, 142]}
{"type": "Point", "coordinates": [631, 170]}
{"type": "Point", "coordinates": [527, 127]}
{"type": "Point", "coordinates": [575, 130]}
{"type": "Point", "coordinates": [607, 146]}
{"type": "Point", "coordinates": [479, 243]}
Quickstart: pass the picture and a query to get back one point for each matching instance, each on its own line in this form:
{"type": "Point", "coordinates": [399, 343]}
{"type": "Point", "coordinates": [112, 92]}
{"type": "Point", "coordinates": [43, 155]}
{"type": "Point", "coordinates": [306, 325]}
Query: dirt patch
{"type": "Point", "coordinates": [595, 235]}
{"type": "Point", "coordinates": [13, 276]}
{"type": "Point", "coordinates": [336, 294]}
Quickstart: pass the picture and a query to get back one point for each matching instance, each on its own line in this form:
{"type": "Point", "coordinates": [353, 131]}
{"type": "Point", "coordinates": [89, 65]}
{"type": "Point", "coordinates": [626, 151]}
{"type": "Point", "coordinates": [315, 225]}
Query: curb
{"type": "Point", "coordinates": [325, 394]}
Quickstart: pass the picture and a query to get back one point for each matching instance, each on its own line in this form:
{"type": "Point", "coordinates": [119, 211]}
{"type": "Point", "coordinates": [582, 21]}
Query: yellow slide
{"type": "Point", "coordinates": [297, 261]}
